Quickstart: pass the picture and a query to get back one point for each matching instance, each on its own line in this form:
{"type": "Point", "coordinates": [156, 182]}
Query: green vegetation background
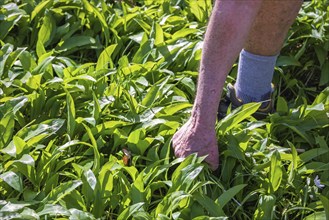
{"type": "Point", "coordinates": [82, 80]}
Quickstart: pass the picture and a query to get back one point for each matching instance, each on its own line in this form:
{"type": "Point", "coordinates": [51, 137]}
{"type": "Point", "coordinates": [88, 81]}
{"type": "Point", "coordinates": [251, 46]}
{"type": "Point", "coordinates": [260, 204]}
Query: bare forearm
{"type": "Point", "coordinates": [227, 30]}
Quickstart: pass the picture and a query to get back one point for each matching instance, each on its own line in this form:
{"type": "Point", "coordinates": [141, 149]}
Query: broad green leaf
{"type": "Point", "coordinates": [53, 210]}
{"type": "Point", "coordinates": [101, 19]}
{"type": "Point", "coordinates": [128, 212]}
{"type": "Point", "coordinates": [275, 171]}
{"type": "Point", "coordinates": [19, 144]}
{"type": "Point", "coordinates": [12, 104]}
{"type": "Point", "coordinates": [10, 150]}
{"type": "Point", "coordinates": [238, 115]}
{"type": "Point", "coordinates": [183, 33]}
{"type": "Point", "coordinates": [12, 207]}
{"type": "Point", "coordinates": [96, 165]}
{"type": "Point", "coordinates": [8, 24]}
{"type": "Point", "coordinates": [105, 58]}
{"type": "Point", "coordinates": [171, 202]}
{"type": "Point", "coordinates": [26, 159]}
{"type": "Point", "coordinates": [210, 205]}
{"type": "Point", "coordinates": [62, 190]}
{"type": "Point", "coordinates": [46, 33]}
{"type": "Point", "coordinates": [153, 93]}
{"type": "Point", "coordinates": [80, 77]}
{"type": "Point", "coordinates": [40, 7]}
{"type": "Point", "coordinates": [294, 163]}
{"type": "Point", "coordinates": [197, 10]}
{"type": "Point", "coordinates": [316, 216]}
{"type": "Point", "coordinates": [75, 42]}
{"type": "Point", "coordinates": [76, 200]}
{"type": "Point", "coordinates": [137, 141]}
{"type": "Point", "coordinates": [159, 37]}
{"type": "Point", "coordinates": [7, 124]}
{"type": "Point", "coordinates": [80, 215]}
{"type": "Point", "coordinates": [282, 105]}
{"type": "Point", "coordinates": [5, 52]}
{"type": "Point", "coordinates": [144, 52]}
{"type": "Point", "coordinates": [28, 213]}
{"type": "Point", "coordinates": [229, 194]}
{"type": "Point", "coordinates": [13, 180]}
{"type": "Point", "coordinates": [91, 179]}
{"type": "Point", "coordinates": [321, 53]}
{"type": "Point", "coordinates": [311, 154]}
{"type": "Point", "coordinates": [186, 177]}
{"type": "Point", "coordinates": [325, 203]}
{"type": "Point", "coordinates": [11, 59]}
{"type": "Point", "coordinates": [265, 208]}
{"type": "Point", "coordinates": [45, 128]}
{"type": "Point", "coordinates": [324, 80]}
{"type": "Point", "coordinates": [43, 65]}
{"type": "Point", "coordinates": [287, 61]}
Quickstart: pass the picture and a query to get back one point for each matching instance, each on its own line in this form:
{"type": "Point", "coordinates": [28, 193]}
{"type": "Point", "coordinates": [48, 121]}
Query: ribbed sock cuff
{"type": "Point", "coordinates": [255, 73]}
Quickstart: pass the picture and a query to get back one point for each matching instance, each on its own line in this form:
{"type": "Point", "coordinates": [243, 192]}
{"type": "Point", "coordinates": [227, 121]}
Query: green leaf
{"type": "Point", "coordinates": [100, 17]}
{"type": "Point", "coordinates": [208, 204]}
{"type": "Point", "coordinates": [13, 180]}
{"type": "Point", "coordinates": [229, 194]}
{"type": "Point", "coordinates": [265, 208]}
{"type": "Point", "coordinates": [12, 58]}
{"type": "Point", "coordinates": [54, 210]}
{"type": "Point", "coordinates": [12, 207]}
{"type": "Point", "coordinates": [75, 42]}
{"type": "Point", "coordinates": [128, 212]}
{"type": "Point", "coordinates": [294, 163]}
{"type": "Point", "coordinates": [27, 61]}
{"type": "Point", "coordinates": [62, 190]}
{"type": "Point", "coordinates": [311, 154]}
{"type": "Point", "coordinates": [96, 165]}
{"type": "Point", "coordinates": [40, 7]}
{"type": "Point", "coordinates": [8, 24]}
{"type": "Point", "coordinates": [159, 36]}
{"type": "Point", "coordinates": [144, 52]}
{"type": "Point", "coordinates": [70, 114]}
{"type": "Point", "coordinates": [80, 215]}
{"type": "Point", "coordinates": [287, 61]}
{"type": "Point", "coordinates": [43, 65]}
{"type": "Point", "coordinates": [105, 58]}
{"type": "Point", "coordinates": [324, 80]}
{"type": "Point", "coordinates": [316, 216]}
{"type": "Point", "coordinates": [276, 171]}
{"type": "Point", "coordinates": [325, 203]}
{"type": "Point", "coordinates": [26, 159]}
{"type": "Point", "coordinates": [5, 52]}
{"type": "Point", "coordinates": [153, 93]}
{"type": "Point", "coordinates": [7, 124]}
{"type": "Point", "coordinates": [46, 33]}
{"type": "Point", "coordinates": [91, 179]}
{"type": "Point", "coordinates": [282, 105]}
{"type": "Point", "coordinates": [45, 128]}
{"type": "Point", "coordinates": [183, 33]}
{"type": "Point", "coordinates": [239, 114]}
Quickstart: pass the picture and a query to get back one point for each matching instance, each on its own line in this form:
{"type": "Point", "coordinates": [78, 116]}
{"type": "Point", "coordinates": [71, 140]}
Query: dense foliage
{"type": "Point", "coordinates": [84, 84]}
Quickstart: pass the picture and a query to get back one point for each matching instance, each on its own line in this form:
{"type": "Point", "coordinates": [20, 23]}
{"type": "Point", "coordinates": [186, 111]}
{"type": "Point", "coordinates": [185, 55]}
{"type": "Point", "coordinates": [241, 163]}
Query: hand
{"type": "Point", "coordinates": [191, 138]}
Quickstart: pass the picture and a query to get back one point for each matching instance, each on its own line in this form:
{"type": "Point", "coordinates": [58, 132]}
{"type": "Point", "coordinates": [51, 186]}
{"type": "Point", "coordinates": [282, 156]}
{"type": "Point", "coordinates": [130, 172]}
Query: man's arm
{"type": "Point", "coordinates": [227, 31]}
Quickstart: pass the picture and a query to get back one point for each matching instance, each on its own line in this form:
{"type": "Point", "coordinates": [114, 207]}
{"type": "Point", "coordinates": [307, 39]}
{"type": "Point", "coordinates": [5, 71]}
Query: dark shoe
{"type": "Point", "coordinates": [231, 99]}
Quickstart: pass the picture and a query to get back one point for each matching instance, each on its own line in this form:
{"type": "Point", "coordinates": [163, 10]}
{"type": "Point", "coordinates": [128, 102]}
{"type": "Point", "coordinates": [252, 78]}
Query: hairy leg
{"type": "Point", "coordinates": [271, 26]}
{"type": "Point", "coordinates": [227, 31]}
{"type": "Point", "coordinates": [257, 60]}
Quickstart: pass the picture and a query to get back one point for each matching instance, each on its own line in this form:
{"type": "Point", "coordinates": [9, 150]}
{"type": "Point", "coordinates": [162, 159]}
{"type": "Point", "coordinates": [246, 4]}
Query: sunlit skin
{"type": "Point", "coordinates": [258, 26]}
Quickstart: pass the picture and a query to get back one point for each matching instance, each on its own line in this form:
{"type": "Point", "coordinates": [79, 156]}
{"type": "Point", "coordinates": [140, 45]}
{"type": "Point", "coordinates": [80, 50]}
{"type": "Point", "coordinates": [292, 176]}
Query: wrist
{"type": "Point", "coordinates": [202, 120]}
